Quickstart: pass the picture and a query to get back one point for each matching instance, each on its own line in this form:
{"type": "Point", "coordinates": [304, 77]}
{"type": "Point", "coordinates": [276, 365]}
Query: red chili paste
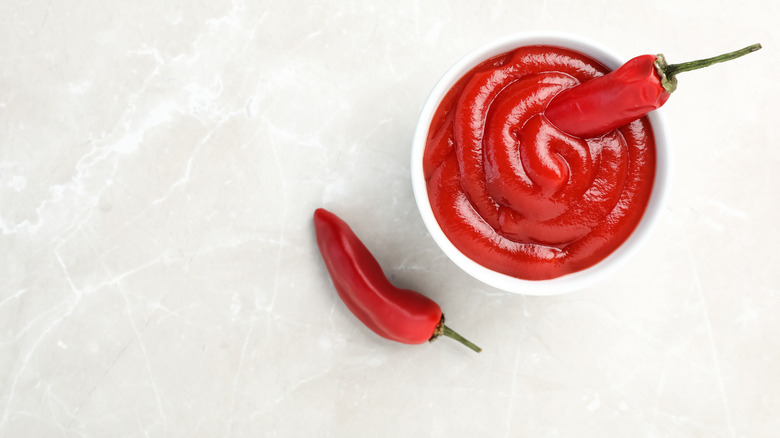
{"type": "Point", "coordinates": [517, 195]}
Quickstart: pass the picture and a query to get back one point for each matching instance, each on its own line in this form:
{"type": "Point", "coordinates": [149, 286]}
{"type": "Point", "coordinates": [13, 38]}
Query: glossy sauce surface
{"type": "Point", "coordinates": [517, 195]}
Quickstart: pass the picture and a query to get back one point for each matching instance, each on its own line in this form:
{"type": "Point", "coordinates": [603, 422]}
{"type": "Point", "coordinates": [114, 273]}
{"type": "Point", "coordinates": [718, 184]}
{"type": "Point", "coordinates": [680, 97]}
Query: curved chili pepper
{"type": "Point", "coordinates": [637, 87]}
{"type": "Point", "coordinates": [401, 315]}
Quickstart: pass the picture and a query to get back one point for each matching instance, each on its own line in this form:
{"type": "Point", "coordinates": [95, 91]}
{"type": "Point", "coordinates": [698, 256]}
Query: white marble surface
{"type": "Point", "coordinates": [159, 165]}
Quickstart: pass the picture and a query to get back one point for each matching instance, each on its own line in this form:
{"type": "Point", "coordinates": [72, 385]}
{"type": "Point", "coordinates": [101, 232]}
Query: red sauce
{"type": "Point", "coordinates": [517, 195]}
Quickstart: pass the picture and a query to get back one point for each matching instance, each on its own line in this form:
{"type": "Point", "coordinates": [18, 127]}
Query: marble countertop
{"type": "Point", "coordinates": [160, 163]}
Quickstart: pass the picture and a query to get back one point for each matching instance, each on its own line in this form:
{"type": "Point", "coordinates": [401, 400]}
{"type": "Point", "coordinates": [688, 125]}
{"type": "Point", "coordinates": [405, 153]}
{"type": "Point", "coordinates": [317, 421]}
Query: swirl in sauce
{"type": "Point", "coordinates": [517, 195]}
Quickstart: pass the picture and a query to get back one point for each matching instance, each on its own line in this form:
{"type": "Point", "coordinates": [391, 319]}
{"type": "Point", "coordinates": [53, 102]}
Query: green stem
{"type": "Point", "coordinates": [450, 333]}
{"type": "Point", "coordinates": [668, 72]}
{"type": "Point", "coordinates": [673, 69]}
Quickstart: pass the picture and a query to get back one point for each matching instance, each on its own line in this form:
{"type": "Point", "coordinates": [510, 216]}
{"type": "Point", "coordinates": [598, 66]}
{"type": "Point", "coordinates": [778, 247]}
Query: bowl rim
{"type": "Point", "coordinates": [570, 282]}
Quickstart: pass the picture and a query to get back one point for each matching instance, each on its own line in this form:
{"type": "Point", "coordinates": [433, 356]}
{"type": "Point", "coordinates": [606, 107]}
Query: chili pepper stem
{"type": "Point", "coordinates": [668, 72]}
{"type": "Point", "coordinates": [450, 333]}
{"type": "Point", "coordinates": [442, 329]}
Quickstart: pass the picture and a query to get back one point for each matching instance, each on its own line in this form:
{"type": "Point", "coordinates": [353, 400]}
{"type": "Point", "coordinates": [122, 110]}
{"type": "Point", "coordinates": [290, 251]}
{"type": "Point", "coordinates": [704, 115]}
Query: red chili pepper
{"type": "Point", "coordinates": [400, 315]}
{"type": "Point", "coordinates": [637, 87]}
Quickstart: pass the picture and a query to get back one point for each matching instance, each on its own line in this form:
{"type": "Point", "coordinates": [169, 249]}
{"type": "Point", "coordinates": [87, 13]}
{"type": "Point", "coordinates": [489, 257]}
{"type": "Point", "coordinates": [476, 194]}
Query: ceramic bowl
{"type": "Point", "coordinates": [570, 282]}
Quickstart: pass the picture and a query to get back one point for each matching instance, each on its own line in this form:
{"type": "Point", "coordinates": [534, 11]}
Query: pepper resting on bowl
{"type": "Point", "coordinates": [639, 86]}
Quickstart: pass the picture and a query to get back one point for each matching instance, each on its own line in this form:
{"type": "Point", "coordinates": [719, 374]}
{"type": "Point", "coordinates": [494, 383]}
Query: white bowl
{"type": "Point", "coordinates": [567, 283]}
